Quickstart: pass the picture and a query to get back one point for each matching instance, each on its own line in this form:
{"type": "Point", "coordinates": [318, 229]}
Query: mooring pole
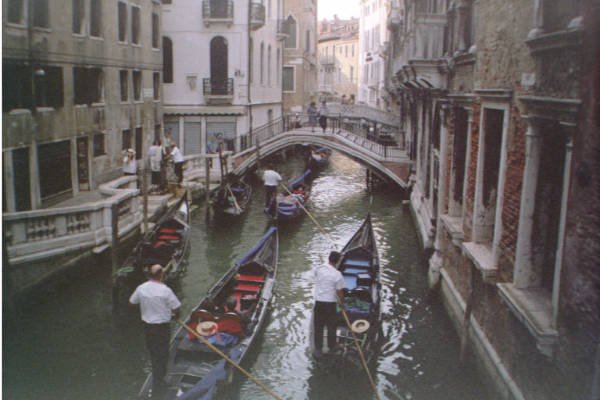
{"type": "Point", "coordinates": [145, 193]}
{"type": "Point", "coordinates": [114, 217]}
{"type": "Point", "coordinates": [207, 179]}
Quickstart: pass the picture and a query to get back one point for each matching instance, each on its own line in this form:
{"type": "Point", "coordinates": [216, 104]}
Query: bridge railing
{"type": "Point", "coordinates": [264, 132]}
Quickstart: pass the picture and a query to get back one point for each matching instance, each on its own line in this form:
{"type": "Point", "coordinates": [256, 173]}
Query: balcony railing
{"type": "Point", "coordinates": [217, 11]}
{"type": "Point", "coordinates": [257, 15]}
{"type": "Point", "coordinates": [218, 90]}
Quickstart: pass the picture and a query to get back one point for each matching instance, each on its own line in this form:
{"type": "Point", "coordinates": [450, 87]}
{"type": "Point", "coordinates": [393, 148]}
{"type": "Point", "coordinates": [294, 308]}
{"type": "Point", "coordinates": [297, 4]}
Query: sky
{"type": "Point", "coordinates": [343, 8]}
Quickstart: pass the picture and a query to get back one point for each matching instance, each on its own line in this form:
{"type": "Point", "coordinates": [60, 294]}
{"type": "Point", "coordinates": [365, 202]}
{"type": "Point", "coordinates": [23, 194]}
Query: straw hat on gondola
{"type": "Point", "coordinates": [206, 328]}
{"type": "Point", "coordinates": [360, 326]}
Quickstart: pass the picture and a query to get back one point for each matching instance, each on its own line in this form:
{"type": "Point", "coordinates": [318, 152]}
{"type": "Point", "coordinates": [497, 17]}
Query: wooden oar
{"type": "Point", "coordinates": [235, 203]}
{"type": "Point", "coordinates": [229, 360]}
{"type": "Point", "coordinates": [309, 214]}
{"type": "Point", "coordinates": [362, 356]}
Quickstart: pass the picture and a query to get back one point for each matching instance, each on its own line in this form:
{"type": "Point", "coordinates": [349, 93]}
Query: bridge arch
{"type": "Point", "coordinates": [387, 166]}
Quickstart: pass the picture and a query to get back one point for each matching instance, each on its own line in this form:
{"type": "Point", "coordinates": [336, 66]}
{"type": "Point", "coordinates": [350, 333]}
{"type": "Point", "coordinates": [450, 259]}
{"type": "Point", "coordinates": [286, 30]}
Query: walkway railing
{"type": "Point", "coordinates": [40, 234]}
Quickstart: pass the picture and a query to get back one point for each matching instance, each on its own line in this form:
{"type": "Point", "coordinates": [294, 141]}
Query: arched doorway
{"type": "Point", "coordinates": [218, 65]}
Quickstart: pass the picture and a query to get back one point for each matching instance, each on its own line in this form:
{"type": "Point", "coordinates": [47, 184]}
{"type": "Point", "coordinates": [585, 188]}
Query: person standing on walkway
{"type": "Point", "coordinates": [129, 163]}
{"type": "Point", "coordinates": [271, 179]}
{"type": "Point", "coordinates": [312, 115]}
{"type": "Point", "coordinates": [328, 289]}
{"type": "Point", "coordinates": [177, 158]}
{"type": "Point", "coordinates": [158, 305]}
{"type": "Point", "coordinates": [323, 111]}
{"type": "Point", "coordinates": [155, 156]}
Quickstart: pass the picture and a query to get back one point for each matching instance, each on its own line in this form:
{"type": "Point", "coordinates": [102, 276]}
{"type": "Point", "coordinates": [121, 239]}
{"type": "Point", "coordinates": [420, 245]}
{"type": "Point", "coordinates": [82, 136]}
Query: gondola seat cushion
{"type": "Point", "coordinates": [364, 280]}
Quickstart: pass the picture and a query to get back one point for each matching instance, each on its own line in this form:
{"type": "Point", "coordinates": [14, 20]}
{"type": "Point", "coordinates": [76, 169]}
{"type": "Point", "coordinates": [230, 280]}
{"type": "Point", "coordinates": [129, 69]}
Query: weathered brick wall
{"type": "Point", "coordinates": [515, 165]}
{"type": "Point", "coordinates": [502, 54]}
{"type": "Point", "coordinates": [579, 318]}
{"type": "Point", "coordinates": [471, 171]}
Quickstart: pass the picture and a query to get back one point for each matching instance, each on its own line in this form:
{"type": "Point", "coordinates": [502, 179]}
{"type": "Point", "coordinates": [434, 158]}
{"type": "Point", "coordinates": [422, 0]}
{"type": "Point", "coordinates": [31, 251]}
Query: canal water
{"type": "Point", "coordinates": [67, 343]}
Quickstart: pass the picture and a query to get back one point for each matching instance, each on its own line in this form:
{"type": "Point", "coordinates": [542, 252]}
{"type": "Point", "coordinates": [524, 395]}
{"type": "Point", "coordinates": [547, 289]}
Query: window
{"type": "Point", "coordinates": [288, 79]}
{"type": "Point", "coordinates": [126, 139]}
{"type": "Point", "coordinates": [55, 160]}
{"type": "Point", "coordinates": [156, 85]}
{"type": "Point", "coordinates": [122, 17]}
{"type": "Point", "coordinates": [307, 40]}
{"type": "Point", "coordinates": [98, 146]}
{"type": "Point", "coordinates": [15, 11]}
{"type": "Point", "coordinates": [138, 142]}
{"type": "Point", "coordinates": [123, 75]}
{"type": "Point", "coordinates": [78, 14]}
{"type": "Point", "coordinates": [88, 85]}
{"type": "Point", "coordinates": [290, 29]}
{"type": "Point", "coordinates": [155, 32]}
{"type": "Point", "coordinates": [16, 87]}
{"type": "Point", "coordinates": [262, 63]}
{"type": "Point", "coordinates": [167, 60]}
{"type": "Point", "coordinates": [137, 85]}
{"type": "Point", "coordinates": [96, 18]}
{"type": "Point", "coordinates": [40, 14]}
{"type": "Point", "coordinates": [48, 85]}
{"type": "Point", "coordinates": [269, 65]}
{"type": "Point", "coordinates": [135, 25]}
{"type": "Point", "coordinates": [278, 64]}
{"type": "Point", "coordinates": [219, 58]}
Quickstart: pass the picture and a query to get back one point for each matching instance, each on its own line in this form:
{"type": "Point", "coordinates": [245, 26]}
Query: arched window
{"type": "Point", "coordinates": [167, 60]}
{"type": "Point", "coordinates": [290, 29]}
{"type": "Point", "coordinates": [218, 65]}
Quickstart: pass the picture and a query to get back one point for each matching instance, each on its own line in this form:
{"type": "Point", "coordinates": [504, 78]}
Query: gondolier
{"type": "Point", "coordinates": [158, 304]}
{"type": "Point", "coordinates": [271, 179]}
{"type": "Point", "coordinates": [329, 285]}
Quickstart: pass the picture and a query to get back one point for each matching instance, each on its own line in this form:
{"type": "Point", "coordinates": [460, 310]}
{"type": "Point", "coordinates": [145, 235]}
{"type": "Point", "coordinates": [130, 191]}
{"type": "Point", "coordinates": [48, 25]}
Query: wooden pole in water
{"type": "Point", "coordinates": [207, 180]}
{"type": "Point", "coordinates": [114, 217]}
{"type": "Point", "coordinates": [145, 193]}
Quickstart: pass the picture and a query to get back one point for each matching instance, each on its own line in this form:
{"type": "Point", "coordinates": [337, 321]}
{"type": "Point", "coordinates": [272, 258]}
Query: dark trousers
{"type": "Point", "coordinates": [269, 195]}
{"type": "Point", "coordinates": [324, 316]}
{"type": "Point", "coordinates": [157, 343]}
{"type": "Point", "coordinates": [179, 171]}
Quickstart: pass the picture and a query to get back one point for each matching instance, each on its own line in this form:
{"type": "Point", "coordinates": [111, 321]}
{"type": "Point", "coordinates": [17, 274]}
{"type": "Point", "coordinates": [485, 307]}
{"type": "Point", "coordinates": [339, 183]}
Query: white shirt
{"type": "Point", "coordinates": [156, 301]}
{"type": "Point", "coordinates": [129, 166]}
{"type": "Point", "coordinates": [155, 156]}
{"type": "Point", "coordinates": [328, 281]}
{"type": "Point", "coordinates": [176, 154]}
{"type": "Point", "coordinates": [271, 178]}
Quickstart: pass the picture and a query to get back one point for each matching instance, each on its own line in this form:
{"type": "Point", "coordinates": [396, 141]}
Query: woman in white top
{"type": "Point", "coordinates": [129, 163]}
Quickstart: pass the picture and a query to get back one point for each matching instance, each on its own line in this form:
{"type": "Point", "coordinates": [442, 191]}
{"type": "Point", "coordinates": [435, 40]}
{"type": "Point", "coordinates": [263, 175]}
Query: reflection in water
{"type": "Point", "coordinates": [66, 344]}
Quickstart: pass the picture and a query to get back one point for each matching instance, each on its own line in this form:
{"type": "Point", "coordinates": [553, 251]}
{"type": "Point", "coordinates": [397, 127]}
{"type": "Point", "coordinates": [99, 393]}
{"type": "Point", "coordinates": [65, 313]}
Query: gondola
{"type": "Point", "coordinates": [194, 370]}
{"type": "Point", "coordinates": [360, 267]}
{"type": "Point", "coordinates": [232, 198]}
{"type": "Point", "coordinates": [319, 157]}
{"type": "Point", "coordinates": [167, 244]}
{"type": "Point", "coordinates": [290, 202]}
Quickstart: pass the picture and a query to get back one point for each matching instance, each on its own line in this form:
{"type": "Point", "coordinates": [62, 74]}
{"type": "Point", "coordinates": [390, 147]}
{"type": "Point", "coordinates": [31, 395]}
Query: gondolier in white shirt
{"type": "Point", "coordinates": [329, 287]}
{"type": "Point", "coordinates": [177, 157]}
{"type": "Point", "coordinates": [158, 305]}
{"type": "Point", "coordinates": [271, 179]}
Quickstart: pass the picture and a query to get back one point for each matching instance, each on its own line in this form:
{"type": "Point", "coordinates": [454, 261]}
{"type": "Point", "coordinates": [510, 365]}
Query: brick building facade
{"type": "Point", "coordinates": [503, 121]}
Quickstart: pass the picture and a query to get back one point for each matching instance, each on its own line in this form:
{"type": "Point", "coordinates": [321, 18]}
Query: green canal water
{"type": "Point", "coordinates": [67, 343]}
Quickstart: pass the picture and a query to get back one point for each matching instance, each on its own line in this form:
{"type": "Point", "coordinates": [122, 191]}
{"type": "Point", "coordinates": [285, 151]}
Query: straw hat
{"type": "Point", "coordinates": [360, 326]}
{"type": "Point", "coordinates": [132, 151]}
{"type": "Point", "coordinates": [206, 328]}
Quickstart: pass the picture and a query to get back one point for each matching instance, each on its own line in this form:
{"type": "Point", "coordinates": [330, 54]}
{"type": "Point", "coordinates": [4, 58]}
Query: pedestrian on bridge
{"type": "Point", "coordinates": [323, 111]}
{"type": "Point", "coordinates": [312, 115]}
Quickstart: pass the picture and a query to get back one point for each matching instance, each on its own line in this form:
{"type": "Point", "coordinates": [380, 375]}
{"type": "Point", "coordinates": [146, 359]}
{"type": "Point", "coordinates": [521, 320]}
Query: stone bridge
{"type": "Point", "coordinates": [389, 161]}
